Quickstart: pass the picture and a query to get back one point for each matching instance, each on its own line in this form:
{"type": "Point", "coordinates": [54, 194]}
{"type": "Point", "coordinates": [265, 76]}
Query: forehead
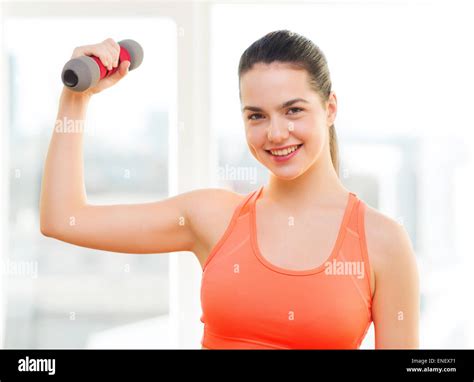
{"type": "Point", "coordinates": [269, 84]}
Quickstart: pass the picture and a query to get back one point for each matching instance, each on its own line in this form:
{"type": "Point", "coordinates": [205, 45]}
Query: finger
{"type": "Point", "coordinates": [124, 67]}
{"type": "Point", "coordinates": [113, 55]}
{"type": "Point", "coordinates": [97, 51]}
{"type": "Point", "coordinates": [122, 70]}
{"type": "Point", "coordinates": [118, 75]}
{"type": "Point", "coordinates": [79, 51]}
{"type": "Point", "coordinates": [87, 50]}
{"type": "Point", "coordinates": [114, 49]}
{"type": "Point", "coordinates": [105, 57]}
{"type": "Point", "coordinates": [115, 46]}
{"type": "Point", "coordinates": [104, 51]}
{"type": "Point", "coordinates": [100, 51]}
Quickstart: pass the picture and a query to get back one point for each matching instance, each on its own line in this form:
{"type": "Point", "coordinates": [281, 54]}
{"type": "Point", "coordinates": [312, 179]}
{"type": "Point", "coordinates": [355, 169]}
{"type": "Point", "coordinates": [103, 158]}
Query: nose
{"type": "Point", "coordinates": [278, 131]}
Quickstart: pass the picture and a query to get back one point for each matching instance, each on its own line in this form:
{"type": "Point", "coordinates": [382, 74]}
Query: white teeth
{"type": "Point", "coordinates": [284, 152]}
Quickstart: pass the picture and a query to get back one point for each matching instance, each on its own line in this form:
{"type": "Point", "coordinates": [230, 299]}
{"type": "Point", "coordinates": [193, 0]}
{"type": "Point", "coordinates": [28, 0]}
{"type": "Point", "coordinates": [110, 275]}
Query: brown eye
{"type": "Point", "coordinates": [251, 116]}
{"type": "Point", "coordinates": [298, 109]}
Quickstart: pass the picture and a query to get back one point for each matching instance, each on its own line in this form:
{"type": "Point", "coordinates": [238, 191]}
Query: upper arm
{"type": "Point", "coordinates": [396, 305]}
{"type": "Point", "coordinates": [154, 227]}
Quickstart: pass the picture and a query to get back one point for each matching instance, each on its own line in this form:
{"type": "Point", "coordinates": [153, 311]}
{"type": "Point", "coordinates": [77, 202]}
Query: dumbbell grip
{"type": "Point", "coordinates": [82, 72]}
{"type": "Point", "coordinates": [104, 72]}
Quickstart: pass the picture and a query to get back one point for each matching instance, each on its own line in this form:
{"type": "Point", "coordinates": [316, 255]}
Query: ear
{"type": "Point", "coordinates": [331, 106]}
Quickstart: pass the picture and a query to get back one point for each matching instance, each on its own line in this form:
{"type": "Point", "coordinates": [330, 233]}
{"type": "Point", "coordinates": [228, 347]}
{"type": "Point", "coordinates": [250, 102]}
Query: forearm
{"type": "Point", "coordinates": [62, 188]}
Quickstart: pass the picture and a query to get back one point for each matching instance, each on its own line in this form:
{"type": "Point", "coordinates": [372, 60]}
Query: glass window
{"type": "Point", "coordinates": [403, 126]}
{"type": "Point", "coordinates": [59, 294]}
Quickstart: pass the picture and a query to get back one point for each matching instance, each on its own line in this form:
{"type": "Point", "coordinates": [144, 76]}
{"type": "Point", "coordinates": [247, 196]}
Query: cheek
{"type": "Point", "coordinates": [252, 141]}
{"type": "Point", "coordinates": [311, 134]}
{"type": "Point", "coordinates": [305, 129]}
{"type": "Point", "coordinates": [316, 145]}
{"type": "Point", "coordinates": [256, 137]}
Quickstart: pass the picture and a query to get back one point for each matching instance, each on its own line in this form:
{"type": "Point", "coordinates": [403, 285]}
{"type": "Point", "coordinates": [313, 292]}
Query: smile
{"type": "Point", "coordinates": [284, 154]}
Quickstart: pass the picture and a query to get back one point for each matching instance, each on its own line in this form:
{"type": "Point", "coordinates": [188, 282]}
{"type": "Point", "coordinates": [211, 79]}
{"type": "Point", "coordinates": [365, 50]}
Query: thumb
{"type": "Point", "coordinates": [121, 71]}
{"type": "Point", "coordinates": [124, 67]}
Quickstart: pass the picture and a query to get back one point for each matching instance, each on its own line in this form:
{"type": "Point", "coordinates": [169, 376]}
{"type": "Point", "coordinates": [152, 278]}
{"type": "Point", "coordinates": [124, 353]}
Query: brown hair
{"type": "Point", "coordinates": [290, 47]}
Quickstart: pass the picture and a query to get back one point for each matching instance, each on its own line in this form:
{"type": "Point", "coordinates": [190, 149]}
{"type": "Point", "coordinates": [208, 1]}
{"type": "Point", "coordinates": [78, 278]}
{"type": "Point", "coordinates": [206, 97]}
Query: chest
{"type": "Point", "coordinates": [296, 241]}
{"type": "Point", "coordinates": [254, 303]}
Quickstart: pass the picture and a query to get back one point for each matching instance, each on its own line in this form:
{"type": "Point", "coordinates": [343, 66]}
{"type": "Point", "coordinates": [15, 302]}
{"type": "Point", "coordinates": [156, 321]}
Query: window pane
{"type": "Point", "coordinates": [66, 293]}
{"type": "Point", "coordinates": [403, 124]}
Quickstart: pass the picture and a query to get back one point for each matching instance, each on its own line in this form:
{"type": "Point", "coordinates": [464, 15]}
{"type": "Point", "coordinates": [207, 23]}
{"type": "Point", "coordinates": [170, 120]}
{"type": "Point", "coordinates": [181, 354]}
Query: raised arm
{"type": "Point", "coordinates": [65, 214]}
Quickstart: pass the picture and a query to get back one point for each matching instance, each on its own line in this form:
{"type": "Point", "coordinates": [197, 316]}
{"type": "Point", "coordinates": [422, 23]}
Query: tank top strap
{"type": "Point", "coordinates": [356, 228]}
{"type": "Point", "coordinates": [246, 205]}
{"type": "Point", "coordinates": [353, 220]}
{"type": "Point", "coordinates": [363, 240]}
{"type": "Point", "coordinates": [239, 211]}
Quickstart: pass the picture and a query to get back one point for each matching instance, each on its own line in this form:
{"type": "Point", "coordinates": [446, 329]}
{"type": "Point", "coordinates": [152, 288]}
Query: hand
{"type": "Point", "coordinates": [108, 52]}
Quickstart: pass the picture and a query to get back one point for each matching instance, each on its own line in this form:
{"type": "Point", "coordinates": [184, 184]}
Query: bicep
{"type": "Point", "coordinates": [395, 308]}
{"type": "Point", "coordinates": [154, 227]}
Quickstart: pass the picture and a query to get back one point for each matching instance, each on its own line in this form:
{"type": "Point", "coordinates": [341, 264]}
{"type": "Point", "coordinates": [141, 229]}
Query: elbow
{"type": "Point", "coordinates": [47, 228]}
{"type": "Point", "coordinates": [45, 220]}
{"type": "Point", "coordinates": [52, 224]}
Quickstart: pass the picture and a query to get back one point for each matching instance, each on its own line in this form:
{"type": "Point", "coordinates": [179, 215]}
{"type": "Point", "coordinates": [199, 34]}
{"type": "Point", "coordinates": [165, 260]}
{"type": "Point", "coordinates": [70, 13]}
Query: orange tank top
{"type": "Point", "coordinates": [250, 303]}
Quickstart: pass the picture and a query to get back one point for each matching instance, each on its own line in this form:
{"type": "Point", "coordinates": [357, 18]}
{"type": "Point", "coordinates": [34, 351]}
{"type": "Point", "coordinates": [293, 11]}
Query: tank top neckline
{"type": "Point", "coordinates": [351, 199]}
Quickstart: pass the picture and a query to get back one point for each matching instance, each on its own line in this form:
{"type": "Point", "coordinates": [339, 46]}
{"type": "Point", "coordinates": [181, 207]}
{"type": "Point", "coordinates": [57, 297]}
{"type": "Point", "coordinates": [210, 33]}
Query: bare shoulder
{"type": "Point", "coordinates": [209, 211]}
{"type": "Point", "coordinates": [210, 203]}
{"type": "Point", "coordinates": [388, 244]}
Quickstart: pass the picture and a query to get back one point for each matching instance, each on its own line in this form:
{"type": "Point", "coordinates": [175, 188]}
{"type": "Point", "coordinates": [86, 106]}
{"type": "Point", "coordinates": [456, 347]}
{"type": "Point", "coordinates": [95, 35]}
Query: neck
{"type": "Point", "coordinates": [319, 184]}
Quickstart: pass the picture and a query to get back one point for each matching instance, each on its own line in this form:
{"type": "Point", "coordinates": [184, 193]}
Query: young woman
{"type": "Point", "coordinates": [301, 262]}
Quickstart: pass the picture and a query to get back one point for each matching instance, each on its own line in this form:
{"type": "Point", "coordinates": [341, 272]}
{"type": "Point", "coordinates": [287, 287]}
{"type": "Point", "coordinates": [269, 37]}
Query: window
{"type": "Point", "coordinates": [403, 125]}
{"type": "Point", "coordinates": [59, 294]}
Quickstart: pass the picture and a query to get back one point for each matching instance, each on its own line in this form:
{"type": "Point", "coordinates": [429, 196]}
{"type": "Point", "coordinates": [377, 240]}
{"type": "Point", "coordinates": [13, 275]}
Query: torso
{"type": "Point", "coordinates": [303, 230]}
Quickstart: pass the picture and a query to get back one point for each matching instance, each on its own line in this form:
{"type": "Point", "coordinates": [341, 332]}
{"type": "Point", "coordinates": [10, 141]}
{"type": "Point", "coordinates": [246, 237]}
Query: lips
{"type": "Point", "coordinates": [287, 150]}
{"type": "Point", "coordinates": [284, 155]}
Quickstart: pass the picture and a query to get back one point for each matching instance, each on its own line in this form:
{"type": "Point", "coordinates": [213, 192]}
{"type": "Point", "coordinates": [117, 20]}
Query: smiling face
{"type": "Point", "coordinates": [285, 121]}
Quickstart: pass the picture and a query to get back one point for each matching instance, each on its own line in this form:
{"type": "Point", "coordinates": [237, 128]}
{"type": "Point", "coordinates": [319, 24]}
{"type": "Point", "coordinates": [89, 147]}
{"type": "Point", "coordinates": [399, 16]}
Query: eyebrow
{"type": "Point", "coordinates": [282, 106]}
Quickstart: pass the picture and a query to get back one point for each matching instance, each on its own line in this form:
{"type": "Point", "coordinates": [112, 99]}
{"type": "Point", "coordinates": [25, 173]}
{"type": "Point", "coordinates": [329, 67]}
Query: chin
{"type": "Point", "coordinates": [286, 173]}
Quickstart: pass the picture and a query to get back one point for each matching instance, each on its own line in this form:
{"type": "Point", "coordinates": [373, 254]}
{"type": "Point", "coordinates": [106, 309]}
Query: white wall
{"type": "Point", "coordinates": [3, 180]}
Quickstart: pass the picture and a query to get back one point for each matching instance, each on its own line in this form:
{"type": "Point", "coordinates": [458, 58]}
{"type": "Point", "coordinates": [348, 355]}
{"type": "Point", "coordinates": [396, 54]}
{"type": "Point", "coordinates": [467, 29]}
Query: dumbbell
{"type": "Point", "coordinates": [83, 72]}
